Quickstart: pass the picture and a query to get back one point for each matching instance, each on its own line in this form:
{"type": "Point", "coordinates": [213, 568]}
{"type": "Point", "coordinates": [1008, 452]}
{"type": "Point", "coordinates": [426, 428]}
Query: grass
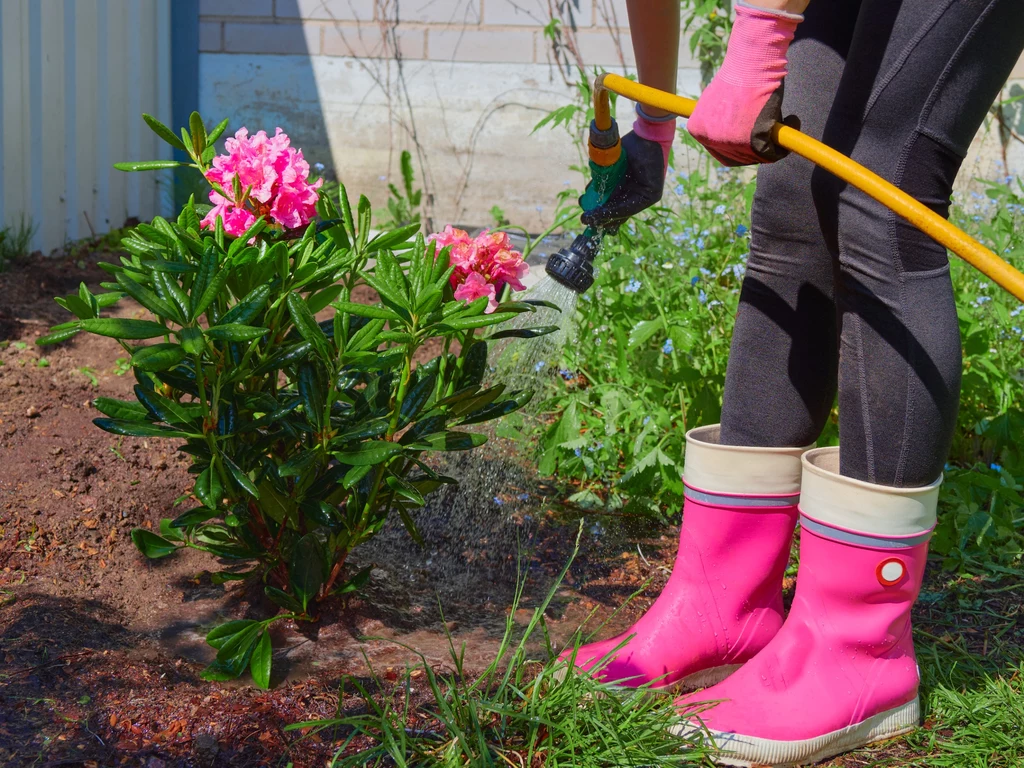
{"type": "Point", "coordinates": [15, 241]}
{"type": "Point", "coordinates": [518, 712]}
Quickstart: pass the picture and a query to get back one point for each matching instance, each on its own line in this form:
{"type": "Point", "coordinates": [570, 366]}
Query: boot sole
{"type": "Point", "coordinates": [750, 751]}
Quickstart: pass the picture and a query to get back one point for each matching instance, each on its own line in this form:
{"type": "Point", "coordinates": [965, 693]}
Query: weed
{"type": "Point", "coordinates": [15, 241]}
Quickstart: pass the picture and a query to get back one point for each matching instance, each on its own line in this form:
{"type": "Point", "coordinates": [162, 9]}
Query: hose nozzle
{"type": "Point", "coordinates": [573, 267]}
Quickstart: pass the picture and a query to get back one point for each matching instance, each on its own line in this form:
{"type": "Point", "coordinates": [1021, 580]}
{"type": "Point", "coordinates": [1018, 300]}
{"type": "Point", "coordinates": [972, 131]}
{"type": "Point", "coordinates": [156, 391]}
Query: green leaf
{"type": "Point", "coordinates": [643, 331]}
{"type": "Point", "coordinates": [241, 478]}
{"type": "Point", "coordinates": [393, 238]}
{"type": "Point", "coordinates": [165, 409]}
{"type": "Point", "coordinates": [405, 491]}
{"type": "Point", "coordinates": [259, 663]}
{"type": "Point", "coordinates": [119, 328]}
{"type": "Point", "coordinates": [283, 599]}
{"type": "Point", "coordinates": [312, 391]}
{"type": "Point", "coordinates": [369, 453]}
{"type": "Point", "coordinates": [169, 288]}
{"type": "Point", "coordinates": [192, 340]}
{"type": "Point", "coordinates": [148, 165]}
{"type": "Point", "coordinates": [416, 398]}
{"type": "Point", "coordinates": [307, 325]}
{"type": "Point", "coordinates": [321, 299]}
{"type": "Point", "coordinates": [216, 132]}
{"type": "Point", "coordinates": [478, 321]}
{"type": "Point", "coordinates": [355, 474]}
{"type": "Point", "coordinates": [56, 337]}
{"type": "Point", "coordinates": [198, 130]}
{"type": "Point", "coordinates": [354, 584]}
{"type": "Point", "coordinates": [234, 332]}
{"type": "Point", "coordinates": [307, 569]}
{"type": "Point", "coordinates": [453, 441]}
{"type": "Point", "coordinates": [523, 333]}
{"type": "Point", "coordinates": [163, 132]}
{"type": "Point", "coordinates": [208, 488]}
{"type": "Point", "coordinates": [219, 635]}
{"type": "Point", "coordinates": [169, 533]}
{"type": "Point", "coordinates": [157, 357]}
{"type": "Point", "coordinates": [365, 310]}
{"type": "Point", "coordinates": [135, 429]}
{"type": "Point", "coordinates": [121, 409]}
{"type": "Point", "coordinates": [210, 294]}
{"type": "Point", "coordinates": [151, 545]}
{"type": "Point", "coordinates": [193, 517]}
{"type": "Point", "coordinates": [497, 410]}
{"type": "Point", "coordinates": [146, 297]}
{"type": "Point", "coordinates": [246, 310]}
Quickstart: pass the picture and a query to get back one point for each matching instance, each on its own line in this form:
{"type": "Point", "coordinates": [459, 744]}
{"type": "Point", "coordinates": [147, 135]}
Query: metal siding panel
{"type": "Point", "coordinates": [133, 107]}
{"type": "Point", "coordinates": [32, 136]}
{"type": "Point", "coordinates": [70, 119]}
{"type": "Point", "coordinates": [147, 87]}
{"type": "Point", "coordinates": [85, 134]}
{"type": "Point", "coordinates": [102, 209]}
{"type": "Point", "coordinates": [14, 71]}
{"type": "Point", "coordinates": [165, 179]}
{"type": "Point", "coordinates": [50, 175]}
{"type": "Point", "coordinates": [117, 110]}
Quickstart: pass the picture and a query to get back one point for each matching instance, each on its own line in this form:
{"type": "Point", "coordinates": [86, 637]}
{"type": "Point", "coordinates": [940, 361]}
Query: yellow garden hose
{"type": "Point", "coordinates": [922, 217]}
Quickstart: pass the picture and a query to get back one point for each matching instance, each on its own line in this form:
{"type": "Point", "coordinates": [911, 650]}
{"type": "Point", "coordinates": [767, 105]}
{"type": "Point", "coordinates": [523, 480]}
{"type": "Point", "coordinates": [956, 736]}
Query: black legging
{"type": "Point", "coordinates": [839, 290]}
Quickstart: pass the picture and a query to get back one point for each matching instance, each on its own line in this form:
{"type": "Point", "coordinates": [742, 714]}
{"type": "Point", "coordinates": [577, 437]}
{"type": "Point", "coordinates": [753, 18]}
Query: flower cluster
{"type": "Point", "coordinates": [484, 265]}
{"type": "Point", "coordinates": [273, 181]}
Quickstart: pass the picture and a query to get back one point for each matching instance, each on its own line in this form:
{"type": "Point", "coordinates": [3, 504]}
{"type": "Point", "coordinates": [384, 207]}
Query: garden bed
{"type": "Point", "coordinates": [100, 649]}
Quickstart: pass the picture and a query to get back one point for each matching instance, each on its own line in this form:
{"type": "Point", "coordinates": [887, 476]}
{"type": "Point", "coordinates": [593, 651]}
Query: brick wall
{"type": "Point", "coordinates": [499, 31]}
{"type": "Point", "coordinates": [476, 77]}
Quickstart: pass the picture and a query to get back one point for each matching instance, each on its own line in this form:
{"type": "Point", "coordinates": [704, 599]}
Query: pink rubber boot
{"type": "Point", "coordinates": [842, 672]}
{"type": "Point", "coordinates": [723, 602]}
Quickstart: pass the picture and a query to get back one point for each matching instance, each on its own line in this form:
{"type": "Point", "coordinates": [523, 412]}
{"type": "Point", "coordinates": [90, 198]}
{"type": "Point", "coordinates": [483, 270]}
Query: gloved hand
{"type": "Point", "coordinates": [646, 148]}
{"type": "Point", "coordinates": [735, 113]}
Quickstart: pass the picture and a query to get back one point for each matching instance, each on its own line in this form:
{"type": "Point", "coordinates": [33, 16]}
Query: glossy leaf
{"type": "Point", "coordinates": [234, 332]}
{"type": "Point", "coordinates": [208, 488]}
{"type": "Point", "coordinates": [135, 429]}
{"type": "Point", "coordinates": [121, 328]}
{"type": "Point", "coordinates": [307, 569]}
{"type": "Point", "coordinates": [158, 357]}
{"type": "Point", "coordinates": [259, 663]}
{"type": "Point", "coordinates": [148, 165]}
{"type": "Point", "coordinates": [151, 545]}
{"type": "Point", "coordinates": [370, 452]}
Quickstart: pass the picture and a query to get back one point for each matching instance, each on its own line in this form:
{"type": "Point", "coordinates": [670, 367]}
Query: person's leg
{"type": "Point", "coordinates": [781, 380]}
{"type": "Point", "coordinates": [723, 602]}
{"type": "Point", "coordinates": [841, 672]}
{"type": "Point", "coordinates": [907, 110]}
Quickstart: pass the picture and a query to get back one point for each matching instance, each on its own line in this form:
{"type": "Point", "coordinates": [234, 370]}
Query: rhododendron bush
{"type": "Point", "coordinates": [306, 415]}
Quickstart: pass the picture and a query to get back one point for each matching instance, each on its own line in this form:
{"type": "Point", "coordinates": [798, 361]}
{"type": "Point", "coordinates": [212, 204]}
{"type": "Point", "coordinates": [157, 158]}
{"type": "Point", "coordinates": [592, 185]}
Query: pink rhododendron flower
{"type": "Point", "coordinates": [276, 176]}
{"type": "Point", "coordinates": [476, 286]}
{"type": "Point", "coordinates": [484, 265]}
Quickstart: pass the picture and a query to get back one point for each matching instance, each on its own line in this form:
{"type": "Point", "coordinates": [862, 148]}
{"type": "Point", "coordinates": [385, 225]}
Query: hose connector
{"type": "Point", "coordinates": [573, 267]}
{"type": "Point", "coordinates": [604, 145]}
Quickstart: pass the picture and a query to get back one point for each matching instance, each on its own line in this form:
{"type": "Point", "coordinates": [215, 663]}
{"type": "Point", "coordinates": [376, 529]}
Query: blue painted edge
{"type": "Point", "coordinates": [184, 73]}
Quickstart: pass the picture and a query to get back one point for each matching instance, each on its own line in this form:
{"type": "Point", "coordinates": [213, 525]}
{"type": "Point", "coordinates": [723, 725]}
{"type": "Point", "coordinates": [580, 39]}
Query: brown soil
{"type": "Point", "coordinates": [100, 649]}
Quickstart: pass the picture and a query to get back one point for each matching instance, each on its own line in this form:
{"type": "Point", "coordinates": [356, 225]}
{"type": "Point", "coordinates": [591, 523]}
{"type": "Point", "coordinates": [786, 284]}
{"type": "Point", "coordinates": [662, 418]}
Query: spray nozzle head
{"type": "Point", "coordinates": [573, 267]}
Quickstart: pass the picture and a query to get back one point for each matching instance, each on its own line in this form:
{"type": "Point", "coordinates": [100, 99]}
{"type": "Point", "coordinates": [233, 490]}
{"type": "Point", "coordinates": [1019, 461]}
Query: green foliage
{"type": "Point", "coordinates": [305, 431]}
{"type": "Point", "coordinates": [15, 241]}
{"type": "Point", "coordinates": [652, 341]}
{"type": "Point", "coordinates": [404, 204]}
{"type": "Point", "coordinates": [709, 23]}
